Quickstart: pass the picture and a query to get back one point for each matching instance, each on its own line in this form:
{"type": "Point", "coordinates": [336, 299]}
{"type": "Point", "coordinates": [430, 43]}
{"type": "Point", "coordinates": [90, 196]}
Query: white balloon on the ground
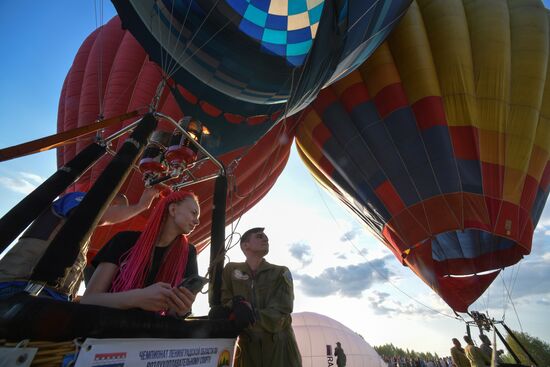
{"type": "Point", "coordinates": [317, 335]}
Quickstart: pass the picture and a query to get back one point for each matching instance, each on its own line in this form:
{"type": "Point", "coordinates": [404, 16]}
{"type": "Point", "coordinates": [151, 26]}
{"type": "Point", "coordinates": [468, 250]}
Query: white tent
{"type": "Point", "coordinates": [317, 336]}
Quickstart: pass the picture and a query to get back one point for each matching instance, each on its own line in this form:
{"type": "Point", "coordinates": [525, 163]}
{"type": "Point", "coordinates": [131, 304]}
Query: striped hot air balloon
{"type": "Point", "coordinates": [440, 141]}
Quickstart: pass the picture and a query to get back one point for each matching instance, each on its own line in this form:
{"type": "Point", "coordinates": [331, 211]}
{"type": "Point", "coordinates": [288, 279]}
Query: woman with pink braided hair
{"type": "Point", "coordinates": [143, 270]}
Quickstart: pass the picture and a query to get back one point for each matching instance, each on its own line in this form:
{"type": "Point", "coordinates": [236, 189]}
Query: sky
{"type": "Point", "coordinates": [339, 269]}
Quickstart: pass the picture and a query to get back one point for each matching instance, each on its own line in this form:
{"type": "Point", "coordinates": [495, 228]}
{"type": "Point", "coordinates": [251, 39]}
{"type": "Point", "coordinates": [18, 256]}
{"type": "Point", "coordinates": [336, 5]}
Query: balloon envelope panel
{"type": "Point", "coordinates": [441, 140]}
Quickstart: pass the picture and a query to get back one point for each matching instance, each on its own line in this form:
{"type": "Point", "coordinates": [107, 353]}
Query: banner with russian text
{"type": "Point", "coordinates": [156, 353]}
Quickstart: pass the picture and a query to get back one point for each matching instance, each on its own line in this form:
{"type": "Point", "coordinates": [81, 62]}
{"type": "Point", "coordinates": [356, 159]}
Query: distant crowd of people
{"type": "Point", "coordinates": [418, 362]}
{"type": "Point", "coordinates": [469, 356]}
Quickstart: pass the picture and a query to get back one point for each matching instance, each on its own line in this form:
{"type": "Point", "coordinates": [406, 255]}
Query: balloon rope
{"type": "Point", "coordinates": [390, 24]}
{"type": "Point", "coordinates": [99, 26]}
{"type": "Point", "coordinates": [504, 294]}
{"type": "Point", "coordinates": [358, 135]}
{"type": "Point", "coordinates": [494, 247]}
{"type": "Point", "coordinates": [282, 129]}
{"type": "Point", "coordinates": [494, 242]}
{"type": "Point", "coordinates": [234, 190]}
{"type": "Point", "coordinates": [397, 224]}
{"type": "Point", "coordinates": [376, 270]}
{"type": "Point", "coordinates": [290, 99]}
{"type": "Point", "coordinates": [513, 278]}
{"type": "Point", "coordinates": [129, 224]}
{"type": "Point", "coordinates": [287, 103]}
{"type": "Point", "coordinates": [159, 32]}
{"type": "Point", "coordinates": [233, 193]}
{"type": "Point", "coordinates": [396, 149]}
{"type": "Point", "coordinates": [164, 60]}
{"type": "Point", "coordinates": [178, 64]}
{"type": "Point", "coordinates": [513, 305]}
{"type": "Point", "coordinates": [167, 63]}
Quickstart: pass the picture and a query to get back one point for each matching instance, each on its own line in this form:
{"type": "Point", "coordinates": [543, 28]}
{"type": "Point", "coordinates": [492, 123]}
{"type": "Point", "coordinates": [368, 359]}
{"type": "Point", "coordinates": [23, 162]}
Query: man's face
{"type": "Point", "coordinates": [258, 243]}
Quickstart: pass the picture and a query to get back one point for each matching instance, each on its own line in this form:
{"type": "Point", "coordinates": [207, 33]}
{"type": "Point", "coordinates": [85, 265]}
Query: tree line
{"type": "Point", "coordinates": [390, 350]}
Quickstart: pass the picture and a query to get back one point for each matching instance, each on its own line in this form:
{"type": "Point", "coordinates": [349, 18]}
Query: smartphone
{"type": "Point", "coordinates": [194, 283]}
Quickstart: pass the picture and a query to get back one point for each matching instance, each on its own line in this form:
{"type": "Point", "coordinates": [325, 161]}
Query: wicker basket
{"type": "Point", "coordinates": [49, 354]}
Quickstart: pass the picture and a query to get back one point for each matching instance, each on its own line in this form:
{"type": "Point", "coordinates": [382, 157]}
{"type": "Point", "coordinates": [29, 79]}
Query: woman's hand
{"type": "Point", "coordinates": [149, 194]}
{"type": "Point", "coordinates": [156, 297]}
{"type": "Point", "coordinates": [181, 301]}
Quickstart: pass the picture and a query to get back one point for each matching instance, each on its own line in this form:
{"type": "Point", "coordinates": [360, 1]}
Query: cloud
{"type": "Point", "coordinates": [341, 256]}
{"type": "Point", "coordinates": [382, 303]}
{"type": "Point", "coordinates": [350, 235]}
{"type": "Point", "coordinates": [348, 281]}
{"type": "Point", "coordinates": [526, 283]}
{"type": "Point", "coordinates": [543, 226]}
{"type": "Point", "coordinates": [301, 252]}
{"type": "Point", "coordinates": [532, 279]}
{"type": "Point", "coordinates": [540, 247]}
{"type": "Point", "coordinates": [32, 177]}
{"type": "Point", "coordinates": [21, 183]}
{"type": "Point", "coordinates": [378, 303]}
{"type": "Point", "coordinates": [528, 280]}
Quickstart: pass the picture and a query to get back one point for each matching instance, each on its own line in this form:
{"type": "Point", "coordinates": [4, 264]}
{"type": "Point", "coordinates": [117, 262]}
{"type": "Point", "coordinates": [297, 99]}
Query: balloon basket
{"type": "Point", "coordinates": [38, 353]}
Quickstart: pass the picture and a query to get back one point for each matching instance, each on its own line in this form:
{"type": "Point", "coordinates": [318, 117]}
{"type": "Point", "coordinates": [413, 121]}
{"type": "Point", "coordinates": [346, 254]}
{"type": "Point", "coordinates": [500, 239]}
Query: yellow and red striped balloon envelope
{"type": "Point", "coordinates": [440, 141]}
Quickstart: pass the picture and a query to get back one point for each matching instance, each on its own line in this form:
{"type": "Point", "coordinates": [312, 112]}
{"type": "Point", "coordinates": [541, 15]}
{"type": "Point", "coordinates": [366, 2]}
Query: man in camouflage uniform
{"type": "Point", "coordinates": [270, 341]}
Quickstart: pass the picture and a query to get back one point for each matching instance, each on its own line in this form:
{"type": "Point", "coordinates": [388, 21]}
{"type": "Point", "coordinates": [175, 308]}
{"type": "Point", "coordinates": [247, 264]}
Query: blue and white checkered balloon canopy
{"type": "Point", "coordinates": [284, 27]}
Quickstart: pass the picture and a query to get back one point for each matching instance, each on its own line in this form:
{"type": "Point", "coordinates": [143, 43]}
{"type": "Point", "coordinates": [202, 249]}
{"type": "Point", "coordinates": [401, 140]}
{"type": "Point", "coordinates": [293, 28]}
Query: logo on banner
{"type": "Point", "coordinates": [110, 359]}
{"type": "Point", "coordinates": [225, 359]}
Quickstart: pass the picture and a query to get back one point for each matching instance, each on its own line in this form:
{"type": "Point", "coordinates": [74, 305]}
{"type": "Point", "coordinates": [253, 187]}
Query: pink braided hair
{"type": "Point", "coordinates": [134, 269]}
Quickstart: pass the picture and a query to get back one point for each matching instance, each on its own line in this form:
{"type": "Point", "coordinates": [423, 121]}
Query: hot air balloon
{"type": "Point", "coordinates": [440, 141]}
{"type": "Point", "coordinates": [239, 100]}
{"type": "Point", "coordinates": [239, 59]}
{"type": "Point", "coordinates": [130, 82]}
{"type": "Point", "coordinates": [238, 82]}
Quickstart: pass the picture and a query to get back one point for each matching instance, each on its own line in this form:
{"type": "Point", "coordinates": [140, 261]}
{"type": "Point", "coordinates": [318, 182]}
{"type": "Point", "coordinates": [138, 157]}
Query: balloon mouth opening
{"type": "Point", "coordinates": [472, 274]}
{"type": "Point", "coordinates": [465, 253]}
